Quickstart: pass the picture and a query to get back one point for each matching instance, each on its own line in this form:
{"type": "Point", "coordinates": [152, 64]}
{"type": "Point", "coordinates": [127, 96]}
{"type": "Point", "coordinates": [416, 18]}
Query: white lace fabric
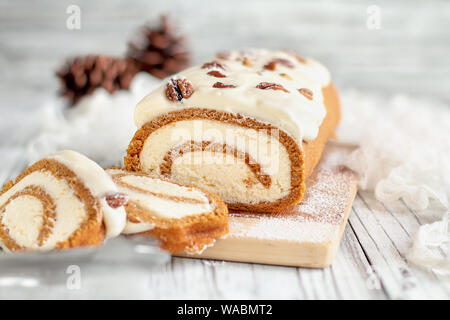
{"type": "Point", "coordinates": [403, 153]}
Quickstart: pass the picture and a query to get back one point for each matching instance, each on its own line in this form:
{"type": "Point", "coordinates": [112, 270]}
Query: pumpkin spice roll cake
{"type": "Point", "coordinates": [248, 126]}
{"type": "Point", "coordinates": [65, 200]}
{"type": "Point", "coordinates": [183, 218]}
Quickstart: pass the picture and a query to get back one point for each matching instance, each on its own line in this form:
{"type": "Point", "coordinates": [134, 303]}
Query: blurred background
{"type": "Point", "coordinates": [381, 46]}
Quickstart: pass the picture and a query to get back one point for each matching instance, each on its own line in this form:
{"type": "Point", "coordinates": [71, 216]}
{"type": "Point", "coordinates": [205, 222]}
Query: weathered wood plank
{"type": "Point", "coordinates": [391, 244]}
{"type": "Point", "coordinates": [352, 271]}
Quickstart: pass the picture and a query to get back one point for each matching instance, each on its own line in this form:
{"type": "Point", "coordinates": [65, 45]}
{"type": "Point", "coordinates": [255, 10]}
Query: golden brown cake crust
{"type": "Point", "coordinates": [190, 233]}
{"type": "Point", "coordinates": [302, 160]}
{"type": "Point", "coordinates": [313, 150]}
{"type": "Point", "coordinates": [91, 231]}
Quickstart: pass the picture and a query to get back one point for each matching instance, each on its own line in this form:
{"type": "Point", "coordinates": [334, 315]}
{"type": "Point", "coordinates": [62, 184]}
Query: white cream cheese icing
{"type": "Point", "coordinates": [291, 111]}
{"type": "Point", "coordinates": [99, 183]}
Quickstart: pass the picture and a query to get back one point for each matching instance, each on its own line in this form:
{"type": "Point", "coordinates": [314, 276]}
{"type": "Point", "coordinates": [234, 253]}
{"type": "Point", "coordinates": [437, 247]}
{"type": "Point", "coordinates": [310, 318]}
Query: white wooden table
{"type": "Point", "coordinates": [371, 262]}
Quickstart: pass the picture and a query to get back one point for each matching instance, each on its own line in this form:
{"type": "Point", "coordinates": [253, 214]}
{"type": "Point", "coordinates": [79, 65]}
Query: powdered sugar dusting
{"type": "Point", "coordinates": [329, 193]}
{"type": "Point", "coordinates": [328, 189]}
{"type": "Point", "coordinates": [288, 229]}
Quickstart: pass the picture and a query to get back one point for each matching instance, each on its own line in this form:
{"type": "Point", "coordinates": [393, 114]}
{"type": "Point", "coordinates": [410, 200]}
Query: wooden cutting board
{"type": "Point", "coordinates": [307, 235]}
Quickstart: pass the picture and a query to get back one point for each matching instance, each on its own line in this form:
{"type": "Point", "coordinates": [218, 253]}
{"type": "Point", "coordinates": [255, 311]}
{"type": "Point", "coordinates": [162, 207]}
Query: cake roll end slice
{"type": "Point", "coordinates": [60, 202]}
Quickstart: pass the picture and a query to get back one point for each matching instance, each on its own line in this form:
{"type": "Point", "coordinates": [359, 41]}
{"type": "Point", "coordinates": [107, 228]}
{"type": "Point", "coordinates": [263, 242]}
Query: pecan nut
{"type": "Point", "coordinates": [298, 57]}
{"type": "Point", "coordinates": [179, 89]}
{"type": "Point", "coordinates": [273, 64]}
{"type": "Point", "coordinates": [223, 85]}
{"type": "Point", "coordinates": [247, 62]}
{"type": "Point", "coordinates": [217, 74]}
{"type": "Point", "coordinates": [116, 200]}
{"type": "Point", "coordinates": [286, 76]}
{"type": "Point", "coordinates": [306, 92]}
{"type": "Point", "coordinates": [272, 86]}
{"type": "Point", "coordinates": [214, 64]}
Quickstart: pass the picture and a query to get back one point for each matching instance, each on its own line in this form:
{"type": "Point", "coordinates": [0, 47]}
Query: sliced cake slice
{"type": "Point", "coordinates": [63, 201]}
{"type": "Point", "coordinates": [182, 218]}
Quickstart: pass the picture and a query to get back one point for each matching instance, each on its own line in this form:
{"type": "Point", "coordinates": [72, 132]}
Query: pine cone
{"type": "Point", "coordinates": [82, 75]}
{"type": "Point", "coordinates": [159, 51]}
